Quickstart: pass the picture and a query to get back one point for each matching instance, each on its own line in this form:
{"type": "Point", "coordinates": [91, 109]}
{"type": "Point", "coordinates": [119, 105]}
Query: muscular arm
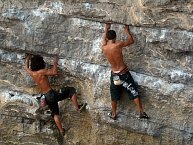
{"type": "Point", "coordinates": [55, 67]}
{"type": "Point", "coordinates": [48, 72]}
{"type": "Point", "coordinates": [104, 39]}
{"type": "Point", "coordinates": [129, 40]}
{"type": "Point", "coordinates": [27, 64]}
{"type": "Point", "coordinates": [54, 70]}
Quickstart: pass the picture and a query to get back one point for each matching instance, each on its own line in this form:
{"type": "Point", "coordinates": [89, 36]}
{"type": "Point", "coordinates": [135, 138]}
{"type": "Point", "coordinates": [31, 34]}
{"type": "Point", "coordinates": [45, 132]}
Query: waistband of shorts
{"type": "Point", "coordinates": [122, 72]}
{"type": "Point", "coordinates": [45, 94]}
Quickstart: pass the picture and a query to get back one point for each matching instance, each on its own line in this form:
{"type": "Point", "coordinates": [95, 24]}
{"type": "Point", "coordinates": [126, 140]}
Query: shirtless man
{"type": "Point", "coordinates": [38, 72]}
{"type": "Point", "coordinates": [120, 75]}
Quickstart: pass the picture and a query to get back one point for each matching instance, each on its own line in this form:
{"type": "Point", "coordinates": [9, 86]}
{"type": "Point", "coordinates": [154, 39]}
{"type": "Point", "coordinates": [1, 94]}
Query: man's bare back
{"type": "Point", "coordinates": [113, 49]}
{"type": "Point", "coordinates": [41, 80]}
{"type": "Point", "coordinates": [113, 53]}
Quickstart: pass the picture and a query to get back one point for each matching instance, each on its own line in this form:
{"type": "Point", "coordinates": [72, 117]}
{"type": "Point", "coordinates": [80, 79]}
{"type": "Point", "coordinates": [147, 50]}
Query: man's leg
{"type": "Point", "coordinates": [75, 102]}
{"type": "Point", "coordinates": [115, 91]}
{"type": "Point", "coordinates": [58, 123]}
{"type": "Point", "coordinates": [114, 108]}
{"type": "Point", "coordinates": [55, 114]}
{"type": "Point", "coordinates": [140, 108]}
{"type": "Point", "coordinates": [139, 105]}
{"type": "Point", "coordinates": [132, 91]}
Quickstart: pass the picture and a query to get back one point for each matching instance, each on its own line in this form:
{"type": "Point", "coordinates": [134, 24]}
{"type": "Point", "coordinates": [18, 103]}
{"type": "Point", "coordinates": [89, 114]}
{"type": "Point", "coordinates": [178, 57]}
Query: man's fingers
{"type": "Point", "coordinates": [126, 27]}
{"type": "Point", "coordinates": [108, 25]}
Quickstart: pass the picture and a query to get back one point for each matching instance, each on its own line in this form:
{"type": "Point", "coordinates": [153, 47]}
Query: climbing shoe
{"type": "Point", "coordinates": [143, 115]}
{"type": "Point", "coordinates": [81, 107]}
{"type": "Point", "coordinates": [111, 117]}
{"type": "Point", "coordinates": [62, 133]}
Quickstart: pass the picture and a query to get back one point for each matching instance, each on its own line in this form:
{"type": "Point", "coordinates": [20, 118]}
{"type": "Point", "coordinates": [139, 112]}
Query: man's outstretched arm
{"type": "Point", "coordinates": [55, 67]}
{"type": "Point", "coordinates": [129, 40]}
{"type": "Point", "coordinates": [54, 70]}
{"type": "Point", "coordinates": [104, 40]}
{"type": "Point", "coordinates": [28, 56]}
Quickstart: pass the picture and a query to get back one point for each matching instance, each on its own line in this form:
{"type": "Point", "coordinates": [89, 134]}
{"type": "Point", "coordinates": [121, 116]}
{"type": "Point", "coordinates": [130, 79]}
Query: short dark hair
{"type": "Point", "coordinates": [111, 34]}
{"type": "Point", "coordinates": [37, 63]}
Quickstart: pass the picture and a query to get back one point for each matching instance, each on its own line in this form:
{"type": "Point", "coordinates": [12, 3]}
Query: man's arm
{"type": "Point", "coordinates": [54, 70]}
{"type": "Point", "coordinates": [55, 67]}
{"type": "Point", "coordinates": [129, 40]}
{"type": "Point", "coordinates": [104, 40]}
{"type": "Point", "coordinates": [28, 56]}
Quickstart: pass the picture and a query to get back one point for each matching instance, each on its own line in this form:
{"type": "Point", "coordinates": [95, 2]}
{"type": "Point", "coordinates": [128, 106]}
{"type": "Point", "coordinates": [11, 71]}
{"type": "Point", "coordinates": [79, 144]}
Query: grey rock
{"type": "Point", "coordinates": [160, 62]}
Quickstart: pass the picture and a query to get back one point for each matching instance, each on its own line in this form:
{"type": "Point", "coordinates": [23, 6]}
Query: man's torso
{"type": "Point", "coordinates": [113, 52]}
{"type": "Point", "coordinates": [42, 81]}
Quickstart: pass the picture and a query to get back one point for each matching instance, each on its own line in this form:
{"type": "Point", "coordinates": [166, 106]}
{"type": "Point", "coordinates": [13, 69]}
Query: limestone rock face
{"type": "Point", "coordinates": [160, 61]}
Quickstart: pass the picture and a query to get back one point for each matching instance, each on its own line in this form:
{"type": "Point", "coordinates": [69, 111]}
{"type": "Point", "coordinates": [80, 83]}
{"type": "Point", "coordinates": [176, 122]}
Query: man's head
{"type": "Point", "coordinates": [37, 63]}
{"type": "Point", "coordinates": [111, 35]}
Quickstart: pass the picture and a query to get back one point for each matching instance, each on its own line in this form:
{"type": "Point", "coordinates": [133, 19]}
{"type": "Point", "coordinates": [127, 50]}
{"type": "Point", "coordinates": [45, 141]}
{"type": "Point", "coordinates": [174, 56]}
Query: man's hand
{"type": "Point", "coordinates": [107, 26]}
{"type": "Point", "coordinates": [55, 69]}
{"type": "Point", "coordinates": [56, 59]}
{"type": "Point", "coordinates": [129, 40]}
{"type": "Point", "coordinates": [127, 28]}
{"type": "Point", "coordinates": [104, 40]}
{"type": "Point", "coordinates": [28, 56]}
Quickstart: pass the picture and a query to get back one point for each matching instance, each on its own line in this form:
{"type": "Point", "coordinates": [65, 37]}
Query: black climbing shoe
{"type": "Point", "coordinates": [81, 107]}
{"type": "Point", "coordinates": [62, 133]}
{"type": "Point", "coordinates": [143, 115]}
{"type": "Point", "coordinates": [110, 115]}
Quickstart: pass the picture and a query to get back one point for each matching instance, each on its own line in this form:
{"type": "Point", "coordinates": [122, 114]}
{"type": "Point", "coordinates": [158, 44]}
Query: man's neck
{"type": "Point", "coordinates": [111, 41]}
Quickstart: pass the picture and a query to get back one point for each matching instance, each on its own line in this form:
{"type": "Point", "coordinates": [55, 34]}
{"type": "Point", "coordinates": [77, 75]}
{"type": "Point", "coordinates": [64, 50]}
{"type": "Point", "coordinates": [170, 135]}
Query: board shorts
{"type": "Point", "coordinates": [128, 84]}
{"type": "Point", "coordinates": [53, 97]}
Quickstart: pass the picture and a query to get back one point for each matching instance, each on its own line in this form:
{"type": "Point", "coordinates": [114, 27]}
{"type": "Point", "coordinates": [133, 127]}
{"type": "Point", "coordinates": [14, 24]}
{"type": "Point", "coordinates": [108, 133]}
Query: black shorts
{"type": "Point", "coordinates": [128, 84]}
{"type": "Point", "coordinates": [53, 97]}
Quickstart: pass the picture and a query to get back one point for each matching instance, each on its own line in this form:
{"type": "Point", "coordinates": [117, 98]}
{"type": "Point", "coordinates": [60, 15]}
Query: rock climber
{"type": "Point", "coordinates": [120, 75]}
{"type": "Point", "coordinates": [35, 66]}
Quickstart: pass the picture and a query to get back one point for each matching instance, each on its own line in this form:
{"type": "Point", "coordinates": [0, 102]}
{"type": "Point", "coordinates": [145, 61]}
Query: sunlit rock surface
{"type": "Point", "coordinates": [160, 61]}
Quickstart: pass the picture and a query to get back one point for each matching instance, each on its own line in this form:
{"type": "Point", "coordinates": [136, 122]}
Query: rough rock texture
{"type": "Point", "coordinates": [160, 61]}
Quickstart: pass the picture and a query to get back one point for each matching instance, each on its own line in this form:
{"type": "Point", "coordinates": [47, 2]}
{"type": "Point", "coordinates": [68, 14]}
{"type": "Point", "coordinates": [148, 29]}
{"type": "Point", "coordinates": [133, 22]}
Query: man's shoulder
{"type": "Point", "coordinates": [40, 72]}
{"type": "Point", "coordinates": [118, 45]}
{"type": "Point", "coordinates": [119, 42]}
{"type": "Point", "coordinates": [105, 47]}
{"type": "Point", "coordinates": [115, 45]}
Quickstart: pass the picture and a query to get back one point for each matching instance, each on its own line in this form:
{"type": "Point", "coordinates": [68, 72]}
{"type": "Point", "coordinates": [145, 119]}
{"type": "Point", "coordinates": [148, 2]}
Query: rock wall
{"type": "Point", "coordinates": [160, 61]}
